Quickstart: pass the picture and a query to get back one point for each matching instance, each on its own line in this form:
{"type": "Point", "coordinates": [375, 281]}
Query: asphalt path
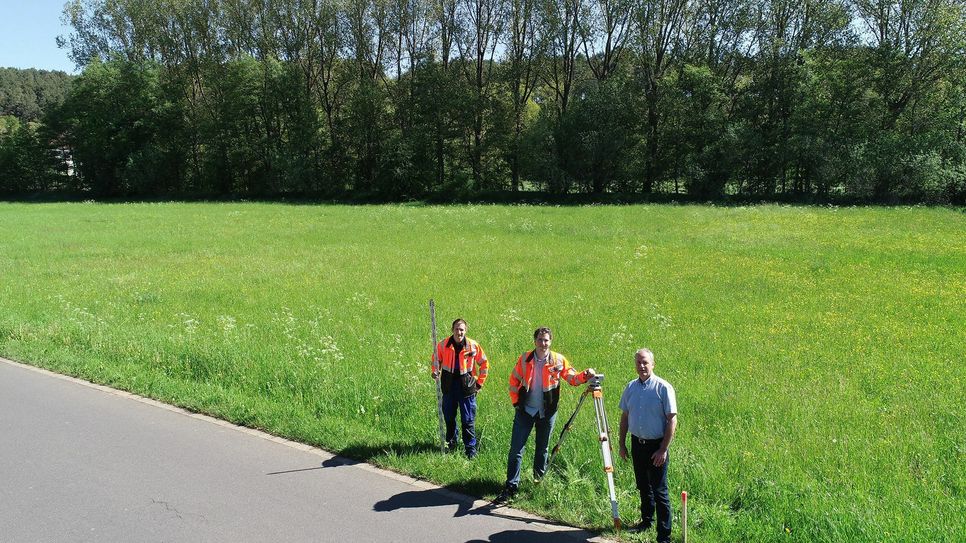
{"type": "Point", "coordinates": [81, 462]}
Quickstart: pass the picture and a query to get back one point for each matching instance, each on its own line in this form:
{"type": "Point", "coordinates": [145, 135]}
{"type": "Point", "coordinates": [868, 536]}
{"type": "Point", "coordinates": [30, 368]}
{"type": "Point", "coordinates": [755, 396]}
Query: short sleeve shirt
{"type": "Point", "coordinates": [647, 405]}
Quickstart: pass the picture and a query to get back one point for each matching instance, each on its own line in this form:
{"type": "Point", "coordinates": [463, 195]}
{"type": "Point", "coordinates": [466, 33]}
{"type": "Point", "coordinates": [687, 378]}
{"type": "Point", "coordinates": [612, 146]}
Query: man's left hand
{"type": "Point", "coordinates": [659, 457]}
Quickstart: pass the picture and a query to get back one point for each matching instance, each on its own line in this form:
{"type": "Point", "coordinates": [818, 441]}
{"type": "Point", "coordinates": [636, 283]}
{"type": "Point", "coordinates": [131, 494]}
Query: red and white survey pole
{"type": "Point", "coordinates": [684, 515]}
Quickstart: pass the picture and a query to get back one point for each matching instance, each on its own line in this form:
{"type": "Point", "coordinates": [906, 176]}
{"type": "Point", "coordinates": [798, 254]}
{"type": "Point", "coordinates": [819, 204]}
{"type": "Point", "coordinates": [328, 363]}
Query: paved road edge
{"type": "Point", "coordinates": [420, 484]}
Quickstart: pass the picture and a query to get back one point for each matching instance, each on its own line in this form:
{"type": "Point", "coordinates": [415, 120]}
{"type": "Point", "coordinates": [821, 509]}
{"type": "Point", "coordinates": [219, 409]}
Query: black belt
{"type": "Point", "coordinates": [643, 441]}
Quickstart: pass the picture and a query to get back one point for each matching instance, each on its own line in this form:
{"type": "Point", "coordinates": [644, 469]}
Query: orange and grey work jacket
{"type": "Point", "coordinates": [471, 364]}
{"type": "Point", "coordinates": [556, 368]}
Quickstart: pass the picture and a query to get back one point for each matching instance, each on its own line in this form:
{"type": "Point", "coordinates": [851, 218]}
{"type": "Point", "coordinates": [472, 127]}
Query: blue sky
{"type": "Point", "coordinates": [28, 30]}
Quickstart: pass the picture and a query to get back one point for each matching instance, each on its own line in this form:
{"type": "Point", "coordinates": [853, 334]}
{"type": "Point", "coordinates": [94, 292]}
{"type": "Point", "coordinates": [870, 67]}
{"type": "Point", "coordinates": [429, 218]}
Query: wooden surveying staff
{"type": "Point", "coordinates": [684, 515]}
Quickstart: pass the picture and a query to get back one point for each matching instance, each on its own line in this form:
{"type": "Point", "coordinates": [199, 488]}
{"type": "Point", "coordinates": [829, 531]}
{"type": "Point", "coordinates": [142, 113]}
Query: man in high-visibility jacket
{"type": "Point", "coordinates": [463, 368]}
{"type": "Point", "coordinates": [535, 392]}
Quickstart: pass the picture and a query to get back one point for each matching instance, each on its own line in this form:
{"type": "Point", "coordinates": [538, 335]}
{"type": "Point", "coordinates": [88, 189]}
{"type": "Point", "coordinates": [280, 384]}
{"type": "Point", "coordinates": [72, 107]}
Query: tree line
{"type": "Point", "coordinates": [26, 160]}
{"type": "Point", "coordinates": [861, 99]}
{"type": "Point", "coordinates": [26, 94]}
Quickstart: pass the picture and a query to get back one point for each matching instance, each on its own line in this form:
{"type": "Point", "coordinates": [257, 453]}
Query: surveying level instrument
{"type": "Point", "coordinates": [437, 375]}
{"type": "Point", "coordinates": [603, 435]}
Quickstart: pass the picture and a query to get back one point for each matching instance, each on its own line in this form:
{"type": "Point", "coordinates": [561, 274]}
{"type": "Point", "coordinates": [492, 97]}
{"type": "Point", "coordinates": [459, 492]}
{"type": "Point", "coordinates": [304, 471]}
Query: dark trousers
{"type": "Point", "coordinates": [652, 484]}
{"type": "Point", "coordinates": [454, 401]}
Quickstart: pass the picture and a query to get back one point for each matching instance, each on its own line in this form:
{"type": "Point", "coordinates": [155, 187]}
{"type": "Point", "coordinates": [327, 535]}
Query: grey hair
{"type": "Point", "coordinates": [644, 351]}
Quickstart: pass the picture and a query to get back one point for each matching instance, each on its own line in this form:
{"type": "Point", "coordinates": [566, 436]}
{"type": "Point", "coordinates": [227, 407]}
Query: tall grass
{"type": "Point", "coordinates": [817, 353]}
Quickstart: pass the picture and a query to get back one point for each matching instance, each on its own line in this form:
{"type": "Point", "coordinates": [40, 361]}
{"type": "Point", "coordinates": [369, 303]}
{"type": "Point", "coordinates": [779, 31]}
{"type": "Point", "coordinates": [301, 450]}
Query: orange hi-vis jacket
{"type": "Point", "coordinates": [472, 363]}
{"type": "Point", "coordinates": [557, 367]}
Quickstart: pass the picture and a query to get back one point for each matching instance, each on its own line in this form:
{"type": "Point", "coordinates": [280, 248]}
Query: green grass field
{"type": "Point", "coordinates": [817, 353]}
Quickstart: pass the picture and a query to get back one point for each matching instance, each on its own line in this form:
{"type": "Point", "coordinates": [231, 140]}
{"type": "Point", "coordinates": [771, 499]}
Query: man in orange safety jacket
{"type": "Point", "coordinates": [463, 368]}
{"type": "Point", "coordinates": [535, 392]}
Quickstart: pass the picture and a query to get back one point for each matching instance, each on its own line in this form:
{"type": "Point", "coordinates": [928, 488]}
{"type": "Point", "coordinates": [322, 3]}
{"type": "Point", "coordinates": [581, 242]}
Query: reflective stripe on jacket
{"type": "Point", "coordinates": [472, 359]}
{"type": "Point", "coordinates": [556, 368]}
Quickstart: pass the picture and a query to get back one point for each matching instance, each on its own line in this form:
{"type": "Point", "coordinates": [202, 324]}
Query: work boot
{"type": "Point", "coordinates": [509, 491]}
{"type": "Point", "coordinates": [470, 454]}
{"type": "Point", "coordinates": [641, 528]}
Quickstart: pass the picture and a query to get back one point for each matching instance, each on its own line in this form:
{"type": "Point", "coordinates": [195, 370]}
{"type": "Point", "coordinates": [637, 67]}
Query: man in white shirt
{"type": "Point", "coordinates": [649, 411]}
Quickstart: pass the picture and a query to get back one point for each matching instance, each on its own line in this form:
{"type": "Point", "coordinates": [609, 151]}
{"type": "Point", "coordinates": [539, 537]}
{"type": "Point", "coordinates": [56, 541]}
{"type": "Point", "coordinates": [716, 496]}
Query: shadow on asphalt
{"type": "Point", "coordinates": [531, 536]}
{"type": "Point", "coordinates": [293, 471]}
{"type": "Point", "coordinates": [478, 487]}
{"type": "Point", "coordinates": [351, 456]}
{"type": "Point", "coordinates": [338, 461]}
{"type": "Point", "coordinates": [415, 499]}
{"type": "Point", "coordinates": [368, 452]}
{"type": "Point", "coordinates": [365, 453]}
{"type": "Point", "coordinates": [460, 495]}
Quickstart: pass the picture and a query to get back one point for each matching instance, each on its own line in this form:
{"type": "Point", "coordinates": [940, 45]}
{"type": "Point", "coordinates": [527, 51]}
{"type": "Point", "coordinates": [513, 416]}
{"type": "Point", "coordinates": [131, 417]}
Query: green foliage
{"type": "Point", "coordinates": [8, 125]}
{"type": "Point", "coordinates": [596, 134]}
{"type": "Point", "coordinates": [114, 119]}
{"type": "Point", "coordinates": [28, 94]}
{"type": "Point", "coordinates": [816, 352]}
{"type": "Point", "coordinates": [776, 99]}
{"type": "Point", "coordinates": [27, 164]}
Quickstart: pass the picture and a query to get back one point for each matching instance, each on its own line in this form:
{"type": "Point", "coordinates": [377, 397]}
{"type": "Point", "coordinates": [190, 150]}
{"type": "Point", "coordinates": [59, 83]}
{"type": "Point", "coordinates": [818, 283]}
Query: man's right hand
{"type": "Point", "coordinates": [623, 452]}
{"type": "Point", "coordinates": [435, 375]}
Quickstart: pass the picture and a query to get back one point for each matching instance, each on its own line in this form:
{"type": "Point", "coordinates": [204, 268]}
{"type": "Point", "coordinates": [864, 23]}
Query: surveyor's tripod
{"type": "Point", "coordinates": [603, 434]}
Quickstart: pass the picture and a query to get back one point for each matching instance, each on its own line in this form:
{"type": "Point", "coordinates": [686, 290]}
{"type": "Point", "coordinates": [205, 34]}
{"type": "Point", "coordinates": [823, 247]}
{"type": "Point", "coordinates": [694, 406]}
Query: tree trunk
{"type": "Point", "coordinates": [650, 169]}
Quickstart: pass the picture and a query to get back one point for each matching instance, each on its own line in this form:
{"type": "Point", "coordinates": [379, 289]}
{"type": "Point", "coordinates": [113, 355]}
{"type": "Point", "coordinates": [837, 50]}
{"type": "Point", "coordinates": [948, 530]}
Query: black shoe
{"type": "Point", "coordinates": [450, 446]}
{"type": "Point", "coordinates": [470, 454]}
{"type": "Point", "coordinates": [508, 493]}
{"type": "Point", "coordinates": [641, 528]}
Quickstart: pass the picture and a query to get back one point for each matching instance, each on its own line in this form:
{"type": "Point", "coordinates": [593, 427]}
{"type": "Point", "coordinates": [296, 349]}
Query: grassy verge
{"type": "Point", "coordinates": [817, 352]}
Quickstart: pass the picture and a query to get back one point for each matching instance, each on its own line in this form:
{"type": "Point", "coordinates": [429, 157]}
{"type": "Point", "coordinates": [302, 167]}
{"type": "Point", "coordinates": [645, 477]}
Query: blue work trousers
{"type": "Point", "coordinates": [454, 401]}
{"type": "Point", "coordinates": [523, 424]}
